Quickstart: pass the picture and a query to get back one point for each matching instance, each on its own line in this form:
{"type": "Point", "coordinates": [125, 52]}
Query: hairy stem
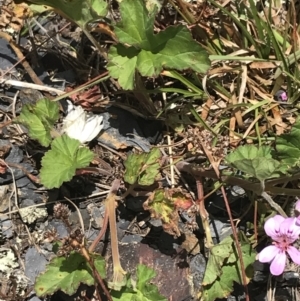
{"type": "Point", "coordinates": [234, 232]}
{"type": "Point", "coordinates": [203, 214]}
{"type": "Point", "coordinates": [119, 278]}
{"type": "Point", "coordinates": [96, 274]}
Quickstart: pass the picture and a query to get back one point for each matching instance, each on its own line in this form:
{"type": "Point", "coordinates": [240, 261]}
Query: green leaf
{"type": "Point", "coordinates": [288, 146]}
{"type": "Point", "coordinates": [66, 274]}
{"type": "Point", "coordinates": [141, 290]}
{"type": "Point", "coordinates": [221, 280]}
{"type": "Point", "coordinates": [99, 7]}
{"type": "Point", "coordinates": [142, 168]}
{"type": "Point", "coordinates": [136, 26]}
{"type": "Point", "coordinates": [149, 53]}
{"type": "Point", "coordinates": [249, 152]}
{"type": "Point", "coordinates": [39, 118]}
{"type": "Point", "coordinates": [60, 163]}
{"type": "Point", "coordinates": [218, 254]}
{"type": "Point", "coordinates": [148, 291]}
{"type": "Point", "coordinates": [81, 12]}
{"type": "Point", "coordinates": [257, 162]}
{"type": "Point", "coordinates": [123, 59]}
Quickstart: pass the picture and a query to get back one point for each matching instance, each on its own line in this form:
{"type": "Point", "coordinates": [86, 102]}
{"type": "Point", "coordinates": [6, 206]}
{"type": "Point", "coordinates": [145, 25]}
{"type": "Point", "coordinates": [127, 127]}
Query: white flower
{"type": "Point", "coordinates": [80, 125]}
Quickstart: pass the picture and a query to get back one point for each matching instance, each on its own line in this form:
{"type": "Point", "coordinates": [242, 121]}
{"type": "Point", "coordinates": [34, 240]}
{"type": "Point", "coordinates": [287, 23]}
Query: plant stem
{"type": "Point", "coordinates": [101, 233]}
{"type": "Point", "coordinates": [273, 204]}
{"type": "Point", "coordinates": [215, 165]}
{"type": "Point", "coordinates": [197, 172]}
{"type": "Point", "coordinates": [96, 274]}
{"type": "Point", "coordinates": [237, 244]}
{"type": "Point", "coordinates": [99, 78]}
{"type": "Point", "coordinates": [119, 278]}
{"type": "Point", "coordinates": [203, 214]}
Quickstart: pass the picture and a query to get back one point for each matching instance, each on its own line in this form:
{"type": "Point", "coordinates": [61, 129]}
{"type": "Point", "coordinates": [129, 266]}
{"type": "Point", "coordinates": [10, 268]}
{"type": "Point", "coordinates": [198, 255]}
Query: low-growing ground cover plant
{"type": "Point", "coordinates": [226, 98]}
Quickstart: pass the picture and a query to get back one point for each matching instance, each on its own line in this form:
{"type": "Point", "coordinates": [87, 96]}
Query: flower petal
{"type": "Point", "coordinates": [268, 254]}
{"type": "Point", "coordinates": [289, 228]}
{"type": "Point", "coordinates": [92, 128]}
{"type": "Point", "coordinates": [74, 122]}
{"type": "Point", "coordinates": [278, 264]}
{"type": "Point", "coordinates": [272, 226]}
{"type": "Point", "coordinates": [74, 129]}
{"type": "Point", "coordinates": [73, 113]}
{"type": "Point", "coordinates": [294, 254]}
{"type": "Point", "coordinates": [70, 106]}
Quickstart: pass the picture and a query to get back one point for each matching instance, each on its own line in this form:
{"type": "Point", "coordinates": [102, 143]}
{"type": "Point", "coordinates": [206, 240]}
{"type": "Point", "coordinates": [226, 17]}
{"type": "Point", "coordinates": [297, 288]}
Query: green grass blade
{"type": "Point", "coordinates": [184, 80]}
{"type": "Point", "coordinates": [200, 120]}
{"type": "Point", "coordinates": [240, 25]}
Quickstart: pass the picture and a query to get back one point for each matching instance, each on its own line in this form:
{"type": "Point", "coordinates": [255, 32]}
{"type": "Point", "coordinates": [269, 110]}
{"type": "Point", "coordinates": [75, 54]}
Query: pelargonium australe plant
{"type": "Point", "coordinates": [281, 96]}
{"type": "Point", "coordinates": [284, 232]}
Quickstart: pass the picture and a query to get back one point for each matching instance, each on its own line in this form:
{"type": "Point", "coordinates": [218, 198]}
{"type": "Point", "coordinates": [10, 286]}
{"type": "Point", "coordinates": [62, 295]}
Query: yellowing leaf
{"type": "Point", "coordinates": [162, 206]}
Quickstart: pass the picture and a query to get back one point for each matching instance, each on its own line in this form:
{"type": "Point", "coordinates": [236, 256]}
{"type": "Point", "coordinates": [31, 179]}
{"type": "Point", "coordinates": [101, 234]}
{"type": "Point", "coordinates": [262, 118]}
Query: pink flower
{"type": "Point", "coordinates": [283, 232]}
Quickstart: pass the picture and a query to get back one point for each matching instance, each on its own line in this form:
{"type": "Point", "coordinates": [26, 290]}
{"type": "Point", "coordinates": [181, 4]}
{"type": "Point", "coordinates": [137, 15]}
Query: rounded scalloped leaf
{"type": "Point", "coordinates": [142, 168]}
{"type": "Point", "coordinates": [39, 118]}
{"type": "Point", "coordinates": [60, 163]}
{"type": "Point", "coordinates": [254, 161]}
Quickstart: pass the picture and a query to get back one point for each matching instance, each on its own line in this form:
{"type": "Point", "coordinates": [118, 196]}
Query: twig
{"type": "Point", "coordinates": [79, 214]}
{"type": "Point", "coordinates": [15, 192]}
{"type": "Point", "coordinates": [21, 57]}
{"type": "Point", "coordinates": [171, 162]}
{"type": "Point", "coordinates": [186, 185]}
{"type": "Point", "coordinates": [17, 83]}
{"type": "Point", "coordinates": [97, 79]}
{"type": "Point", "coordinates": [170, 149]}
{"type": "Point", "coordinates": [95, 43]}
